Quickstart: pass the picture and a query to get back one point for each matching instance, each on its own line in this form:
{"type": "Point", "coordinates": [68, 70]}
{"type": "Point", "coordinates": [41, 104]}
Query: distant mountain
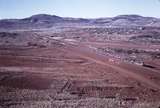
{"type": "Point", "coordinates": [129, 20]}
{"type": "Point", "coordinates": [48, 21]}
{"type": "Point", "coordinates": [41, 18]}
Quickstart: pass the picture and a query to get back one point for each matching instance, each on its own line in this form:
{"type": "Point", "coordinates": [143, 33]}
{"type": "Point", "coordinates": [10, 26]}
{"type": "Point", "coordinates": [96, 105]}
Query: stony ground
{"type": "Point", "coordinates": [52, 71]}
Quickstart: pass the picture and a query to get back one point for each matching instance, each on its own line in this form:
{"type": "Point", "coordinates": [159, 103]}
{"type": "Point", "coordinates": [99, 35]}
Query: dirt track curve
{"type": "Point", "coordinates": [85, 52]}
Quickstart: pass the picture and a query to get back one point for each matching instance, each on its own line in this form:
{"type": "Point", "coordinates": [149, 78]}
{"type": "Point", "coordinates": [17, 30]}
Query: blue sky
{"type": "Point", "coordinates": [78, 8]}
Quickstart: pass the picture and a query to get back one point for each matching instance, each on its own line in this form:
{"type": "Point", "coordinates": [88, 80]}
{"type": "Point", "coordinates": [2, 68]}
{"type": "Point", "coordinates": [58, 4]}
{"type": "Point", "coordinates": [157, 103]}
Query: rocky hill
{"type": "Point", "coordinates": [48, 21]}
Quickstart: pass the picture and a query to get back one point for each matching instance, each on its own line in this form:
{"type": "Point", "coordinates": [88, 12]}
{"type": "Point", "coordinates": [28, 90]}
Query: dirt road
{"type": "Point", "coordinates": [85, 52]}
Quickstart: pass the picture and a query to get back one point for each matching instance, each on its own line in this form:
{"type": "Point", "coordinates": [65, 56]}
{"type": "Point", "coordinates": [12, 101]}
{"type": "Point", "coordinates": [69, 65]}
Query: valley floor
{"type": "Point", "coordinates": [75, 75]}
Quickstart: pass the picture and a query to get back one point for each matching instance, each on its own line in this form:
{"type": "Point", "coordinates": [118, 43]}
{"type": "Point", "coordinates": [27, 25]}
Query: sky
{"type": "Point", "coordinates": [78, 8]}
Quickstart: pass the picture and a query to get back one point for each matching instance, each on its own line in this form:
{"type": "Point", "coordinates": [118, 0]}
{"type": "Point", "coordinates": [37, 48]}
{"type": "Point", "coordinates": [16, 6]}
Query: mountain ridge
{"type": "Point", "coordinates": [47, 21]}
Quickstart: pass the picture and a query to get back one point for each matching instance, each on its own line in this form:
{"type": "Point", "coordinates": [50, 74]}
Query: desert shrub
{"type": "Point", "coordinates": [8, 35]}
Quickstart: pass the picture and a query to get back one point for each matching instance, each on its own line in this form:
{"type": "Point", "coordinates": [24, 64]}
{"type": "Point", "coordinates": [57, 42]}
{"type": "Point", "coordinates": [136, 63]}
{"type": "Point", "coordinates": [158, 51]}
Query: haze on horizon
{"type": "Point", "coordinates": [78, 8]}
